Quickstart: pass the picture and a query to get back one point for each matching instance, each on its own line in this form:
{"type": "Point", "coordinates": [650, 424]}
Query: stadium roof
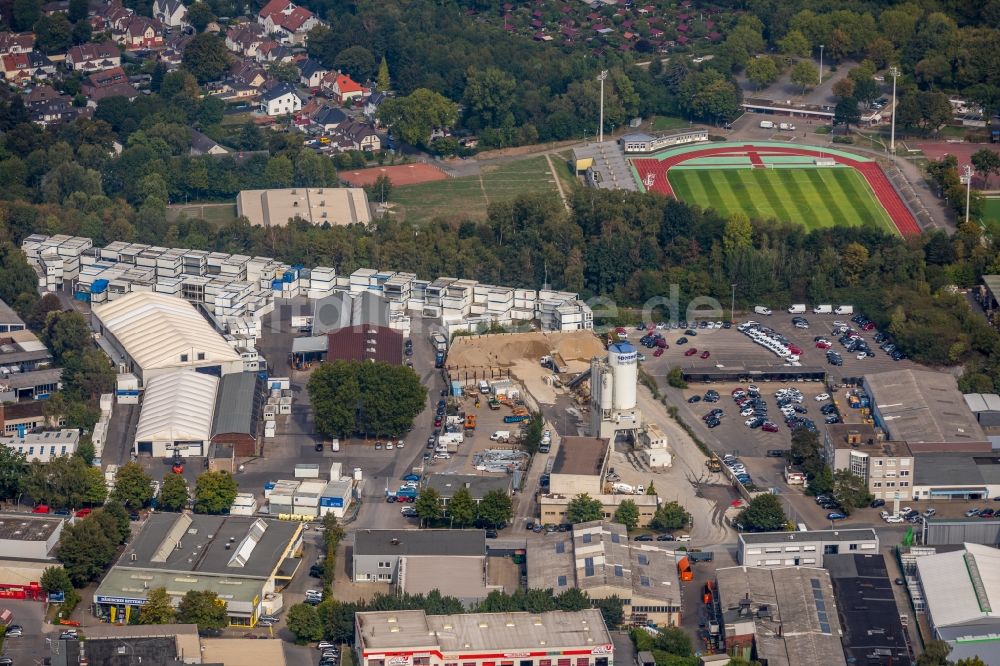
{"type": "Point", "coordinates": [922, 406]}
{"type": "Point", "coordinates": [158, 331]}
{"type": "Point", "coordinates": [178, 407]}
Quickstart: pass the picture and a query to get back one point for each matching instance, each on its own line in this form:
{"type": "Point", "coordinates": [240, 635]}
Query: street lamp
{"type": "Point", "coordinates": [601, 77]}
{"type": "Point", "coordinates": [893, 72]}
{"type": "Point", "coordinates": [967, 181]}
{"type": "Point", "coordinates": [732, 305]}
{"type": "Point", "coordinates": [821, 64]}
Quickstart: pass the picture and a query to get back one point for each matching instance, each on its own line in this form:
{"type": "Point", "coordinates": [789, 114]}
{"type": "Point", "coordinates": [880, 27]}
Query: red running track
{"type": "Point", "coordinates": [653, 174]}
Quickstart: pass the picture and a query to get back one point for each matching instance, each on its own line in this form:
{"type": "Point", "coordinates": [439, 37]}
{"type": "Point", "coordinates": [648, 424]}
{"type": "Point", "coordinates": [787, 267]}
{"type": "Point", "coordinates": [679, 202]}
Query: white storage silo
{"type": "Point", "coordinates": [607, 388]}
{"type": "Point", "coordinates": [623, 359]}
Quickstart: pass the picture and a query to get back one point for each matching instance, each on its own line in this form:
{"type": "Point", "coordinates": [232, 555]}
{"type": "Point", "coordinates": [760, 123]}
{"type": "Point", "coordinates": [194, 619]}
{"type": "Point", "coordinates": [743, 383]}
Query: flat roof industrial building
{"type": "Point", "coordinates": [241, 558]}
{"type": "Point", "coordinates": [151, 334]}
{"type": "Point", "coordinates": [316, 205]}
{"type": "Point", "coordinates": [785, 549]}
{"type": "Point", "coordinates": [925, 409]}
{"type": "Point", "coordinates": [598, 558]}
{"type": "Point", "coordinates": [477, 639]}
{"type": "Point", "coordinates": [177, 413]}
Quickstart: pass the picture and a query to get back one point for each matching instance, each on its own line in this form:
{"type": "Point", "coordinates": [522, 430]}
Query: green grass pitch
{"type": "Point", "coordinates": [812, 197]}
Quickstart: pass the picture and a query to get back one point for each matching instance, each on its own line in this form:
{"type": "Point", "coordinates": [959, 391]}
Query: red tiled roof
{"type": "Point", "coordinates": [272, 7]}
{"type": "Point", "coordinates": [366, 343]}
{"type": "Point", "coordinates": [346, 84]}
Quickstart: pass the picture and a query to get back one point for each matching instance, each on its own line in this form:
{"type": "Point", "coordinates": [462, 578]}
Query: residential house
{"type": "Point", "coordinates": [142, 33]}
{"type": "Point", "coordinates": [272, 51]}
{"type": "Point", "coordinates": [245, 39]}
{"type": "Point", "coordinates": [93, 57]}
{"type": "Point", "coordinates": [312, 73]}
{"type": "Point", "coordinates": [343, 87]}
{"type": "Point", "coordinates": [203, 145]}
{"type": "Point", "coordinates": [280, 100]}
{"type": "Point", "coordinates": [372, 103]}
{"type": "Point", "coordinates": [109, 83]}
{"type": "Point", "coordinates": [51, 108]}
{"type": "Point", "coordinates": [171, 13]}
{"type": "Point", "coordinates": [328, 118]}
{"type": "Point", "coordinates": [16, 42]}
{"type": "Point", "coordinates": [247, 74]}
{"type": "Point", "coordinates": [20, 68]}
{"type": "Point", "coordinates": [57, 7]}
{"type": "Point", "coordinates": [361, 136]}
{"type": "Point", "coordinates": [287, 21]}
{"type": "Point", "coordinates": [40, 94]}
{"type": "Point", "coordinates": [173, 53]}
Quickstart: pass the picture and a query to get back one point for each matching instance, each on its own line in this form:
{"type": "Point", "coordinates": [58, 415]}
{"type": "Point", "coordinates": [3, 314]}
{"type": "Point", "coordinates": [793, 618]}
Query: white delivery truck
{"type": "Point", "coordinates": [786, 127]}
{"type": "Point", "coordinates": [500, 436]}
{"type": "Point", "coordinates": [797, 308]}
{"type": "Point", "coordinates": [844, 310]}
{"type": "Point", "coordinates": [761, 310]}
{"type": "Point", "coordinates": [335, 445]}
{"type": "Point", "coordinates": [766, 124]}
{"type": "Point", "coordinates": [823, 309]}
{"type": "Point", "coordinates": [623, 489]}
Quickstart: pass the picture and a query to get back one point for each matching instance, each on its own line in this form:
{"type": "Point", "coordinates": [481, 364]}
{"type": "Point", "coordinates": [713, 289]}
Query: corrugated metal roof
{"type": "Point", "coordinates": [235, 407]}
{"type": "Point", "coordinates": [975, 402]}
{"type": "Point", "coordinates": [178, 407]}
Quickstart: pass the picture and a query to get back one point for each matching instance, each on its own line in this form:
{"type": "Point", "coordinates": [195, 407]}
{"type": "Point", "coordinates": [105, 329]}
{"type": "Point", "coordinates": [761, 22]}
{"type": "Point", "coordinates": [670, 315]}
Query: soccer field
{"type": "Point", "coordinates": [811, 197]}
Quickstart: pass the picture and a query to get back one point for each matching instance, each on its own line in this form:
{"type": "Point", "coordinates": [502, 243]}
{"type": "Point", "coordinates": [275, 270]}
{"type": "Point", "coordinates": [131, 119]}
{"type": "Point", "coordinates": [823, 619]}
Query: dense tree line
{"type": "Point", "coordinates": [377, 399]}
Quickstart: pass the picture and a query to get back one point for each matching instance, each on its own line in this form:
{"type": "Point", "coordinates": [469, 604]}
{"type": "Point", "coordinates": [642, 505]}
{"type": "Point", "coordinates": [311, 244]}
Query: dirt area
{"type": "Point", "coordinates": [402, 174]}
{"type": "Point", "coordinates": [504, 572]}
{"type": "Point", "coordinates": [503, 350]}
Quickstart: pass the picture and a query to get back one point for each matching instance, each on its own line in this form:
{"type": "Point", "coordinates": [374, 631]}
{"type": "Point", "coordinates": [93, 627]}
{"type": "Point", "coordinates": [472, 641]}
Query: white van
{"type": "Point", "coordinates": [797, 308]}
{"type": "Point", "coordinates": [761, 310]}
{"type": "Point", "coordinates": [766, 124]}
{"type": "Point", "coordinates": [484, 386]}
{"type": "Point", "coordinates": [500, 436]}
{"type": "Point", "coordinates": [335, 445]}
{"type": "Point", "coordinates": [844, 310]}
{"type": "Point", "coordinates": [787, 127]}
{"type": "Point", "coordinates": [823, 309]}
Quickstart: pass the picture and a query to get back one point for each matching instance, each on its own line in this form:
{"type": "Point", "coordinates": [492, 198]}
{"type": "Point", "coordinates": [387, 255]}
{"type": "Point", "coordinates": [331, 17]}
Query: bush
{"type": "Point", "coordinates": [676, 378]}
{"type": "Point", "coordinates": [843, 139]}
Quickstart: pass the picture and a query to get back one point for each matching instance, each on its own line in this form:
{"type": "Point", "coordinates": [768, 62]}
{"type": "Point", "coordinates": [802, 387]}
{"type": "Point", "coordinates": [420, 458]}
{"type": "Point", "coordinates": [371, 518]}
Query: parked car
{"type": "Point", "coordinates": [835, 515]}
{"type": "Point", "coordinates": [706, 354]}
{"type": "Point", "coordinates": [877, 503]}
{"type": "Point", "coordinates": [691, 352]}
{"type": "Point", "coordinates": [822, 396]}
{"type": "Point", "coordinates": [644, 537]}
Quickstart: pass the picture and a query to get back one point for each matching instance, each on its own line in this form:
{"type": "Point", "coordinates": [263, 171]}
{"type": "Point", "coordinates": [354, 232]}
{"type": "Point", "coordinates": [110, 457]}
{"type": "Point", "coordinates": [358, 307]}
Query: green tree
{"type": "Point", "coordinates": [381, 189]}
{"type": "Point", "coordinates": [738, 234]}
{"type": "Point", "coordinates": [206, 57]}
{"type": "Point", "coordinates": [55, 579]}
{"type": "Point", "coordinates": [846, 112]}
{"type": "Point", "coordinates": [53, 33]}
{"type": "Point", "coordinates": [13, 470]}
{"type": "Point", "coordinates": [670, 516]}
{"type": "Point", "coordinates": [762, 71]}
{"type": "Point", "coordinates": [25, 14]}
{"type": "Point", "coordinates": [986, 162]}
{"type": "Point", "coordinates": [708, 94]}
{"type": "Point", "coordinates": [583, 508]}
{"type": "Point", "coordinates": [461, 507]}
{"type": "Point", "coordinates": [114, 519]}
{"type": "Point", "coordinates": [935, 654]}
{"type": "Point", "coordinates": [496, 508]}
{"type": "Point", "coordinates": [850, 490]}
{"type": "Point", "coordinates": [173, 493]}
{"type": "Point", "coordinates": [279, 172]}
{"type": "Point", "coordinates": [84, 550]}
{"type": "Point", "coordinates": [199, 15]}
{"type": "Point", "coordinates": [133, 487]}
{"type": "Point", "coordinates": [95, 488]}
{"type": "Point", "coordinates": [66, 332]}
{"type": "Point", "coordinates": [794, 45]}
{"type": "Point", "coordinates": [970, 661]}
{"type": "Point", "coordinates": [64, 481]}
{"type": "Point", "coordinates": [86, 451]}
{"type": "Point", "coordinates": [412, 118]}
{"type": "Point", "coordinates": [305, 623]}
{"type": "Point", "coordinates": [158, 608]}
{"type": "Point", "coordinates": [573, 599]}
{"type": "Point", "coordinates": [673, 640]}
{"type": "Point", "coordinates": [77, 10]}
{"type": "Point", "coordinates": [764, 513]}
{"type": "Point", "coordinates": [214, 491]}
{"type": "Point", "coordinates": [203, 608]}
{"type": "Point", "coordinates": [357, 62]}
{"type": "Point", "coordinates": [804, 73]}
{"type": "Point", "coordinates": [613, 611]}
{"type": "Point", "coordinates": [383, 80]}
{"type": "Point", "coordinates": [844, 88]}
{"type": "Point", "coordinates": [627, 514]}
{"type": "Point", "coordinates": [675, 378]}
{"type": "Point", "coordinates": [489, 94]}
{"type": "Point", "coordinates": [428, 504]}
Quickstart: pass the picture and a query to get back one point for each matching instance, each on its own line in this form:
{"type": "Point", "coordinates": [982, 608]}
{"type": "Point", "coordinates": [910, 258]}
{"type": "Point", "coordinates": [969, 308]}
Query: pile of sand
{"type": "Point", "coordinates": [505, 349]}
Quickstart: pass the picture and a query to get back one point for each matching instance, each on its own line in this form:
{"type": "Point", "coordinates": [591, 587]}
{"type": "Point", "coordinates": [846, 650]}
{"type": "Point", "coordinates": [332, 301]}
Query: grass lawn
{"type": "Point", "coordinates": [811, 197]}
{"type": "Point", "coordinates": [991, 209]}
{"type": "Point", "coordinates": [213, 213]}
{"type": "Point", "coordinates": [468, 197]}
{"type": "Point", "coordinates": [664, 123]}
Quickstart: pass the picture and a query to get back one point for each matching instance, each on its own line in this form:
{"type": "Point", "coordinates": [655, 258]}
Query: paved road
{"type": "Point", "coordinates": [32, 646]}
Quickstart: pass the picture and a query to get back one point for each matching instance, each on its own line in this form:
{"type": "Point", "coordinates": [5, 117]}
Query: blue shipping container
{"type": "Point", "coordinates": [82, 296]}
{"type": "Point", "coordinates": [289, 276]}
{"type": "Point", "coordinates": [99, 287]}
{"type": "Point", "coordinates": [269, 485]}
{"type": "Point", "coordinates": [276, 285]}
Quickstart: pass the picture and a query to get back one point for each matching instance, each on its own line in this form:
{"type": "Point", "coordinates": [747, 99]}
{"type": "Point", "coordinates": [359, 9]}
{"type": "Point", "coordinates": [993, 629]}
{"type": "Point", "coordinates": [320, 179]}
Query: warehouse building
{"type": "Point", "coordinates": [793, 549]}
{"type": "Point", "coordinates": [986, 407]}
{"type": "Point", "coordinates": [598, 558]}
{"type": "Point", "coordinates": [952, 531]}
{"type": "Point", "coordinates": [961, 590]}
{"type": "Point", "coordinates": [413, 638]}
{"type": "Point", "coordinates": [956, 476]}
{"type": "Point", "coordinates": [925, 409]}
{"type": "Point", "coordinates": [150, 334]}
{"type": "Point", "coordinates": [868, 609]}
{"type": "Point", "coordinates": [177, 413]}
{"type": "Point", "coordinates": [238, 407]}
{"type": "Point", "coordinates": [316, 205]}
{"type": "Point", "coordinates": [9, 320]}
{"type": "Point", "coordinates": [27, 548]}
{"type": "Point", "coordinates": [365, 343]}
{"type": "Point", "coordinates": [784, 616]}
{"type": "Point", "coordinates": [43, 446]}
{"type": "Point", "coordinates": [447, 485]}
{"type": "Point", "coordinates": [246, 561]}
{"type": "Point", "coordinates": [451, 561]}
